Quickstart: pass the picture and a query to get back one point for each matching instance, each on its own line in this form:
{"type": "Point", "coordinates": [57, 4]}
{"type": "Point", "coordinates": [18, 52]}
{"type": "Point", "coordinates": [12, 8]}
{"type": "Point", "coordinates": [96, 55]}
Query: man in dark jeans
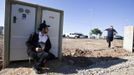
{"type": "Point", "coordinates": [110, 35]}
{"type": "Point", "coordinates": [38, 47]}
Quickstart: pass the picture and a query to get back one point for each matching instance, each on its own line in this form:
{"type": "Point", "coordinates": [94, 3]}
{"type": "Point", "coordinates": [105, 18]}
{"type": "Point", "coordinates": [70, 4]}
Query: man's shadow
{"type": "Point", "coordinates": [70, 64]}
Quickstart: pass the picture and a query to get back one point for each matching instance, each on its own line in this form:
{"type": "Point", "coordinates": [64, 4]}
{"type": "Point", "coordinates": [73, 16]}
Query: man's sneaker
{"type": "Point", "coordinates": [37, 71]}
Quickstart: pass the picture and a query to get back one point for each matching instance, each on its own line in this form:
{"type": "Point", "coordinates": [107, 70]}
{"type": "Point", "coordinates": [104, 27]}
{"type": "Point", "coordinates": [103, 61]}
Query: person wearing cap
{"type": "Point", "coordinates": [38, 47]}
{"type": "Point", "coordinates": [110, 34]}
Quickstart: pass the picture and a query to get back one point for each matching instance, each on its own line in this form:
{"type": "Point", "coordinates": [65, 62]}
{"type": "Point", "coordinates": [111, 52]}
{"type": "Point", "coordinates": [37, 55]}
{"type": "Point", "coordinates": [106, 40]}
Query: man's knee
{"type": "Point", "coordinates": [44, 54]}
{"type": "Point", "coordinates": [33, 55]}
{"type": "Point", "coordinates": [50, 56]}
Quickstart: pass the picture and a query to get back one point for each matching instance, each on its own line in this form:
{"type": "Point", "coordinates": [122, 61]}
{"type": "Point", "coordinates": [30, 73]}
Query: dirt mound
{"type": "Point", "coordinates": [79, 52]}
{"type": "Point", "coordinates": [84, 58]}
{"type": "Point", "coordinates": [96, 53]}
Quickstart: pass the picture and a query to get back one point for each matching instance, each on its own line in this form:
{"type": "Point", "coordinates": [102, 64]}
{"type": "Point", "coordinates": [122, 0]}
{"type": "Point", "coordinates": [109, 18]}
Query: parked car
{"type": "Point", "coordinates": [77, 35]}
{"type": "Point", "coordinates": [92, 37]}
{"type": "Point", "coordinates": [118, 37]}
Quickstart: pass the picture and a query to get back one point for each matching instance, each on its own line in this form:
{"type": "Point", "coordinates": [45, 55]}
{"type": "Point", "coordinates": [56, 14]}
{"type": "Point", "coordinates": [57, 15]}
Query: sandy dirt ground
{"type": "Point", "coordinates": [82, 57]}
{"type": "Point", "coordinates": [92, 47]}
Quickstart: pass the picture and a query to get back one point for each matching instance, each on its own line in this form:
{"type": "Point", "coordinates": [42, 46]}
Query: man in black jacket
{"type": "Point", "coordinates": [110, 35]}
{"type": "Point", "coordinates": [38, 47]}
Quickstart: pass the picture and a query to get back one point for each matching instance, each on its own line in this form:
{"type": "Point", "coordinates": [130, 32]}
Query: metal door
{"type": "Point", "coordinates": [22, 25]}
{"type": "Point", "coordinates": [52, 18]}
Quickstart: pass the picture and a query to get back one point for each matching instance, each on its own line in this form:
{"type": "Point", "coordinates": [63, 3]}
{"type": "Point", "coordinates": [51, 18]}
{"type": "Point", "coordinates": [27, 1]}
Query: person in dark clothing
{"type": "Point", "coordinates": [38, 47]}
{"type": "Point", "coordinates": [110, 35]}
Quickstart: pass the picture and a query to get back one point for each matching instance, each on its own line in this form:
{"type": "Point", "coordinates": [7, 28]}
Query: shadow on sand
{"type": "Point", "coordinates": [70, 64]}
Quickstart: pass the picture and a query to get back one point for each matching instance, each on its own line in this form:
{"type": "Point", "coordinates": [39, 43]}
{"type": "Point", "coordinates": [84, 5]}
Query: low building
{"type": "Point", "coordinates": [1, 30]}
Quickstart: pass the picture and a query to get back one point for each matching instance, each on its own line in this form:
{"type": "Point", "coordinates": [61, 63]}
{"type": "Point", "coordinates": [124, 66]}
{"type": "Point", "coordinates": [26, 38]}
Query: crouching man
{"type": "Point", "coordinates": [38, 47]}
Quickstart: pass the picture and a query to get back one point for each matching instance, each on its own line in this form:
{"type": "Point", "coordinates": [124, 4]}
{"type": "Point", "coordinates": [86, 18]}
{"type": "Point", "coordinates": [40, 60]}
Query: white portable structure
{"type": "Point", "coordinates": [22, 19]}
{"type": "Point", "coordinates": [128, 43]}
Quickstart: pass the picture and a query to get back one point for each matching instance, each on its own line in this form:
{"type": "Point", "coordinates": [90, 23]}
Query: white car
{"type": "Point", "coordinates": [77, 35]}
{"type": "Point", "coordinates": [118, 37]}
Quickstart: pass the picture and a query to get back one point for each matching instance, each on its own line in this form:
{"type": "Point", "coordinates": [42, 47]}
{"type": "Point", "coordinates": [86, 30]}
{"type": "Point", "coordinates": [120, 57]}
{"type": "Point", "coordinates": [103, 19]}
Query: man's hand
{"type": "Point", "coordinates": [38, 49]}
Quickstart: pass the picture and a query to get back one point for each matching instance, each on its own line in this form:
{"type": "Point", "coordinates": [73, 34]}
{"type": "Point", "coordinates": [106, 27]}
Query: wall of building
{"type": "Point", "coordinates": [128, 38]}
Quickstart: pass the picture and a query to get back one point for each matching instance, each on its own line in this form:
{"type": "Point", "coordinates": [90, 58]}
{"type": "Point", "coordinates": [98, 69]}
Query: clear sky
{"type": "Point", "coordinates": [84, 15]}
